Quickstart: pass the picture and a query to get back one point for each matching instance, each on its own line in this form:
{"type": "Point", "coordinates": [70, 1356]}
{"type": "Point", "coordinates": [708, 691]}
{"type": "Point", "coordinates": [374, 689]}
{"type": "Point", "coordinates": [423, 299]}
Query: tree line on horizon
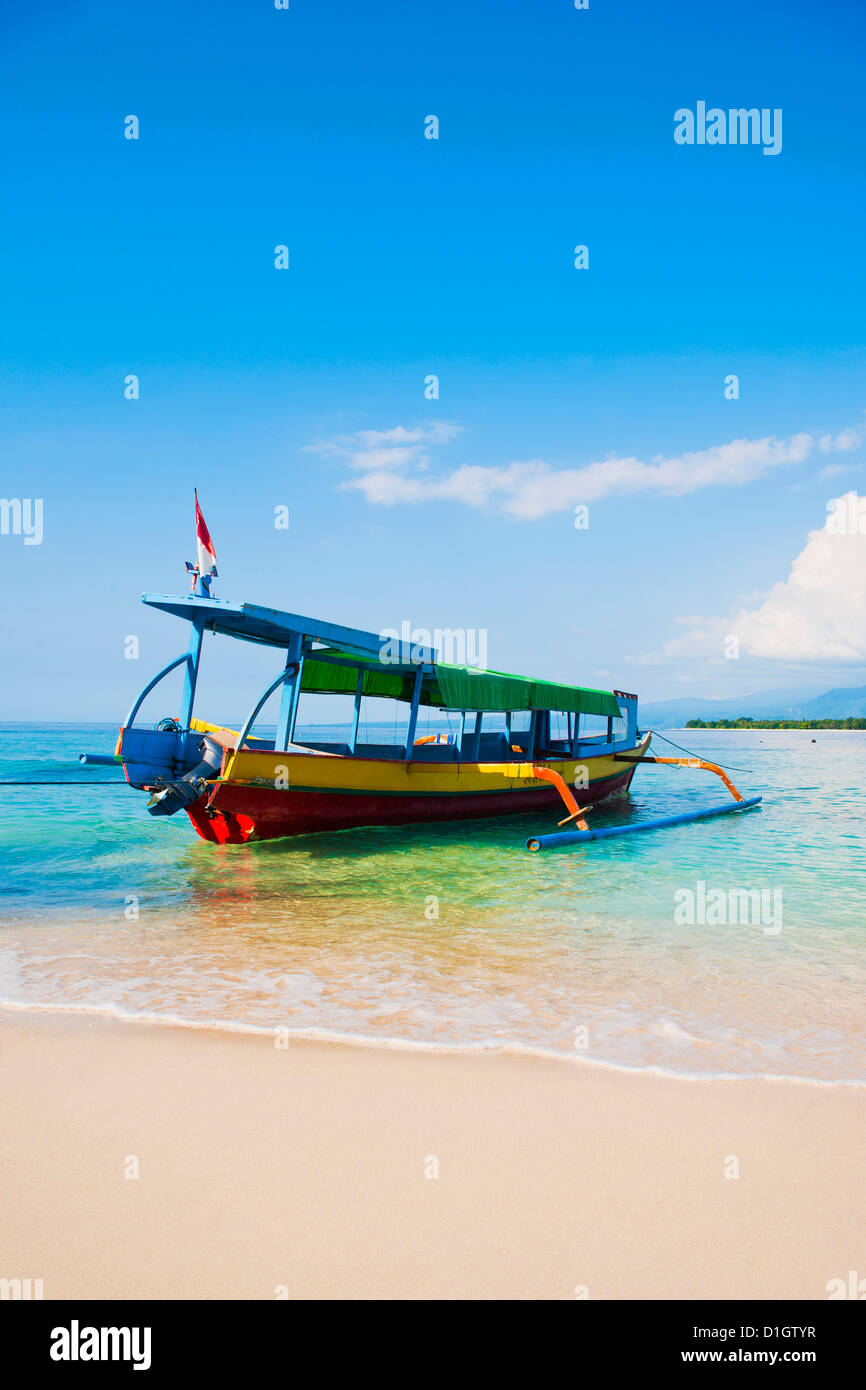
{"type": "Point", "coordinates": [743, 723]}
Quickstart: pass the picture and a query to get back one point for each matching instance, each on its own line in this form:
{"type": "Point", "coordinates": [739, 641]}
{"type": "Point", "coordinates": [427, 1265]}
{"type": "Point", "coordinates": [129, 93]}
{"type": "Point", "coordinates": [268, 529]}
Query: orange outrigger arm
{"type": "Point", "coordinates": [577, 813]}
{"type": "Point", "coordinates": [685, 762]}
{"type": "Point", "coordinates": [546, 774]}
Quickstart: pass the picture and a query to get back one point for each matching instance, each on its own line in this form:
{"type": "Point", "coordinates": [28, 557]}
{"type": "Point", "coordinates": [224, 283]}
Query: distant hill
{"type": "Point", "coordinates": [778, 704]}
{"type": "Point", "coordinates": [837, 704]}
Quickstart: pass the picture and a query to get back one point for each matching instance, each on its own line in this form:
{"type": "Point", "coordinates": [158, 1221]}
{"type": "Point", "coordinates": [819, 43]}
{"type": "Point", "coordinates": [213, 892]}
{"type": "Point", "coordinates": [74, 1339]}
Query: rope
{"type": "Point", "coordinates": [697, 755]}
{"type": "Point", "coordinates": [115, 782]}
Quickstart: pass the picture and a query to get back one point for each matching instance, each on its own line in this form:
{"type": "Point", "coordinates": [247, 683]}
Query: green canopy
{"type": "Point", "coordinates": [453, 687]}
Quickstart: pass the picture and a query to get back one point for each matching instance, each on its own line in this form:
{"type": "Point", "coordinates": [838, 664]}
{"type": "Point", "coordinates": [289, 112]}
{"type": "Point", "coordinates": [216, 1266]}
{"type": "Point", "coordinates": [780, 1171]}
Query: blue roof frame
{"type": "Point", "coordinates": [272, 628]}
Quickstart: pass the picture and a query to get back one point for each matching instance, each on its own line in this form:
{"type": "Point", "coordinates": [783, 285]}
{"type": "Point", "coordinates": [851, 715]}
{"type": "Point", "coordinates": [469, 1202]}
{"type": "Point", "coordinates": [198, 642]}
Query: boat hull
{"type": "Point", "coordinates": [243, 808]}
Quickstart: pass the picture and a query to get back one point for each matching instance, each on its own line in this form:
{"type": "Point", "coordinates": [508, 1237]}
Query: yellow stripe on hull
{"type": "Point", "coordinates": [387, 777]}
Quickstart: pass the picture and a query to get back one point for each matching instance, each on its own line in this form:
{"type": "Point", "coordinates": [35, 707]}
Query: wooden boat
{"type": "Point", "coordinates": [237, 786]}
{"type": "Point", "coordinates": [508, 756]}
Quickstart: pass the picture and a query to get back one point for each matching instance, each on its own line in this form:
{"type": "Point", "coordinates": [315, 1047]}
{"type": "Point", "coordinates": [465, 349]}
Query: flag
{"type": "Point", "coordinates": [206, 553]}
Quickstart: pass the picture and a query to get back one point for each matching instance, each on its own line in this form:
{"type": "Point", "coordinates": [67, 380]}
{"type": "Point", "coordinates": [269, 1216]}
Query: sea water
{"type": "Point", "coordinates": [654, 950]}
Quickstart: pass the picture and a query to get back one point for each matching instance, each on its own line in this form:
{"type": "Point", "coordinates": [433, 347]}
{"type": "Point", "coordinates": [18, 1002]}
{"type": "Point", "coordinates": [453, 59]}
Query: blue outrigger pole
{"type": "Point", "coordinates": [583, 834]}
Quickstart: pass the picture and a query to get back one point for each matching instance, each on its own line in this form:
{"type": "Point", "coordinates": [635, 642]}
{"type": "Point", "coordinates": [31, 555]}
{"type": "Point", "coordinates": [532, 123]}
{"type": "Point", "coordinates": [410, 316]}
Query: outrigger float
{"type": "Point", "coordinates": [237, 786]}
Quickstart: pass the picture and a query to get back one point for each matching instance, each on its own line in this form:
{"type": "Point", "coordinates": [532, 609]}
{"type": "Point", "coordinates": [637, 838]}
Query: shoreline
{"type": "Point", "coordinates": [321, 1037]}
{"type": "Point", "coordinates": [307, 1172]}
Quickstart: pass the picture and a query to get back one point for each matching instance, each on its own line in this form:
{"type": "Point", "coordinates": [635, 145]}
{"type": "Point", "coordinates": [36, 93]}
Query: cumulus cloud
{"type": "Point", "coordinates": [817, 614]}
{"type": "Point", "coordinates": [394, 467]}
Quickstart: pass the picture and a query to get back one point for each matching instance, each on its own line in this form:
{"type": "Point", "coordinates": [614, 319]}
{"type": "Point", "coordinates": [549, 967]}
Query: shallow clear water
{"type": "Point", "coordinates": [575, 951]}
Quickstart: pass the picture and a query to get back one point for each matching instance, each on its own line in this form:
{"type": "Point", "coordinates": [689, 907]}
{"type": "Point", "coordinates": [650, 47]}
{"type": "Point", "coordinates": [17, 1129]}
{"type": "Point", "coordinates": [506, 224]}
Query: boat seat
{"type": "Point", "coordinates": [435, 753]}
{"type": "Point", "coordinates": [308, 749]}
{"type": "Point", "coordinates": [558, 748]}
{"type": "Point", "coordinates": [390, 751]}
{"type": "Point", "coordinates": [334, 750]}
{"type": "Point", "coordinates": [493, 747]}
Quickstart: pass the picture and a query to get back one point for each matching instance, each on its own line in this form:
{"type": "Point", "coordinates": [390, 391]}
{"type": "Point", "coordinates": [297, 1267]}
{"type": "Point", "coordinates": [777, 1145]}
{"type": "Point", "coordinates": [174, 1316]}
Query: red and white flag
{"type": "Point", "coordinates": [206, 552]}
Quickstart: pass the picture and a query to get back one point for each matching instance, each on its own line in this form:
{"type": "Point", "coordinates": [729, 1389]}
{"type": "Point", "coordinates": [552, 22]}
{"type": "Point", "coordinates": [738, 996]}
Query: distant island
{"type": "Point", "coordinates": [849, 723]}
{"type": "Point", "coordinates": [785, 707]}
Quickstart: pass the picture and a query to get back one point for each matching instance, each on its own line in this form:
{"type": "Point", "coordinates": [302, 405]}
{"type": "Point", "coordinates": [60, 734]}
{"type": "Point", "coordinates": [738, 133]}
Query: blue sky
{"type": "Point", "coordinates": [453, 256]}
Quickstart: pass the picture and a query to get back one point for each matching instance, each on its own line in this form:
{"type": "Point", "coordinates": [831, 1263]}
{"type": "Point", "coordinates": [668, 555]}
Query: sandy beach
{"type": "Point", "coordinates": [307, 1172]}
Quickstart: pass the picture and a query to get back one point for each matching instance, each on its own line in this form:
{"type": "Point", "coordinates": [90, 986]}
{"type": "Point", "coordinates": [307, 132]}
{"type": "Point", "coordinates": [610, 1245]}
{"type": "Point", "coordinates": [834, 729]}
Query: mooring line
{"type": "Point", "coordinates": [115, 783]}
{"type": "Point", "coordinates": [679, 746]}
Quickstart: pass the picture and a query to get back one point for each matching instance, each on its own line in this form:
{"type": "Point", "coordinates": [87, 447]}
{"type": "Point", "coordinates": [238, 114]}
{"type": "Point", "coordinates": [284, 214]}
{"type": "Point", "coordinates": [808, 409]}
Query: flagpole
{"type": "Point", "coordinates": [205, 553]}
{"type": "Point", "coordinates": [199, 589]}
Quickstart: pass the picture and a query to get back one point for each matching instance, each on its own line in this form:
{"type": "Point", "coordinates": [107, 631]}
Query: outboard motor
{"type": "Point", "coordinates": [187, 789]}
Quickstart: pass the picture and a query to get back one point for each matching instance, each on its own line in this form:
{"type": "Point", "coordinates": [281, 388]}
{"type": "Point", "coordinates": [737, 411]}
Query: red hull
{"type": "Point", "coordinates": [237, 813]}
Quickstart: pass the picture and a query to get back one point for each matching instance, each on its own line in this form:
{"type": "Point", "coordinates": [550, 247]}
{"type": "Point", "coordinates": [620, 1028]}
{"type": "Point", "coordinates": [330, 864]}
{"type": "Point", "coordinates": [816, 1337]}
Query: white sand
{"type": "Point", "coordinates": [305, 1168]}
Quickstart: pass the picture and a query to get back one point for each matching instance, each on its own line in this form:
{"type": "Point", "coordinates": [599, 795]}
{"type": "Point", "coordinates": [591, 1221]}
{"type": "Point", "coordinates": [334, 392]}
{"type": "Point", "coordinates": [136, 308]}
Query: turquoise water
{"type": "Point", "coordinates": [576, 952]}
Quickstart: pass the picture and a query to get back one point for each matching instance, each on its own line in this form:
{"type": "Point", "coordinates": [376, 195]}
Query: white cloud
{"type": "Point", "coordinates": [846, 439]}
{"type": "Point", "coordinates": [817, 614]}
{"type": "Point", "coordinates": [382, 450]}
{"type": "Point", "coordinates": [440, 432]}
{"type": "Point", "coordinates": [395, 467]}
{"type": "Point", "coordinates": [832, 470]}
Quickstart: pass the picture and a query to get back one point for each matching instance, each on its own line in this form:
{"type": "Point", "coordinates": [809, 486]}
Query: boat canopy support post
{"type": "Point", "coordinates": [254, 712]}
{"type": "Point", "coordinates": [291, 693]}
{"type": "Point", "coordinates": [130, 718]}
{"type": "Point", "coordinates": [413, 713]}
{"type": "Point", "coordinates": [532, 735]}
{"type": "Point", "coordinates": [296, 696]}
{"type": "Point", "coordinates": [575, 737]}
{"type": "Point", "coordinates": [475, 743]}
{"type": "Point", "coordinates": [356, 713]}
{"type": "Point", "coordinates": [191, 675]}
